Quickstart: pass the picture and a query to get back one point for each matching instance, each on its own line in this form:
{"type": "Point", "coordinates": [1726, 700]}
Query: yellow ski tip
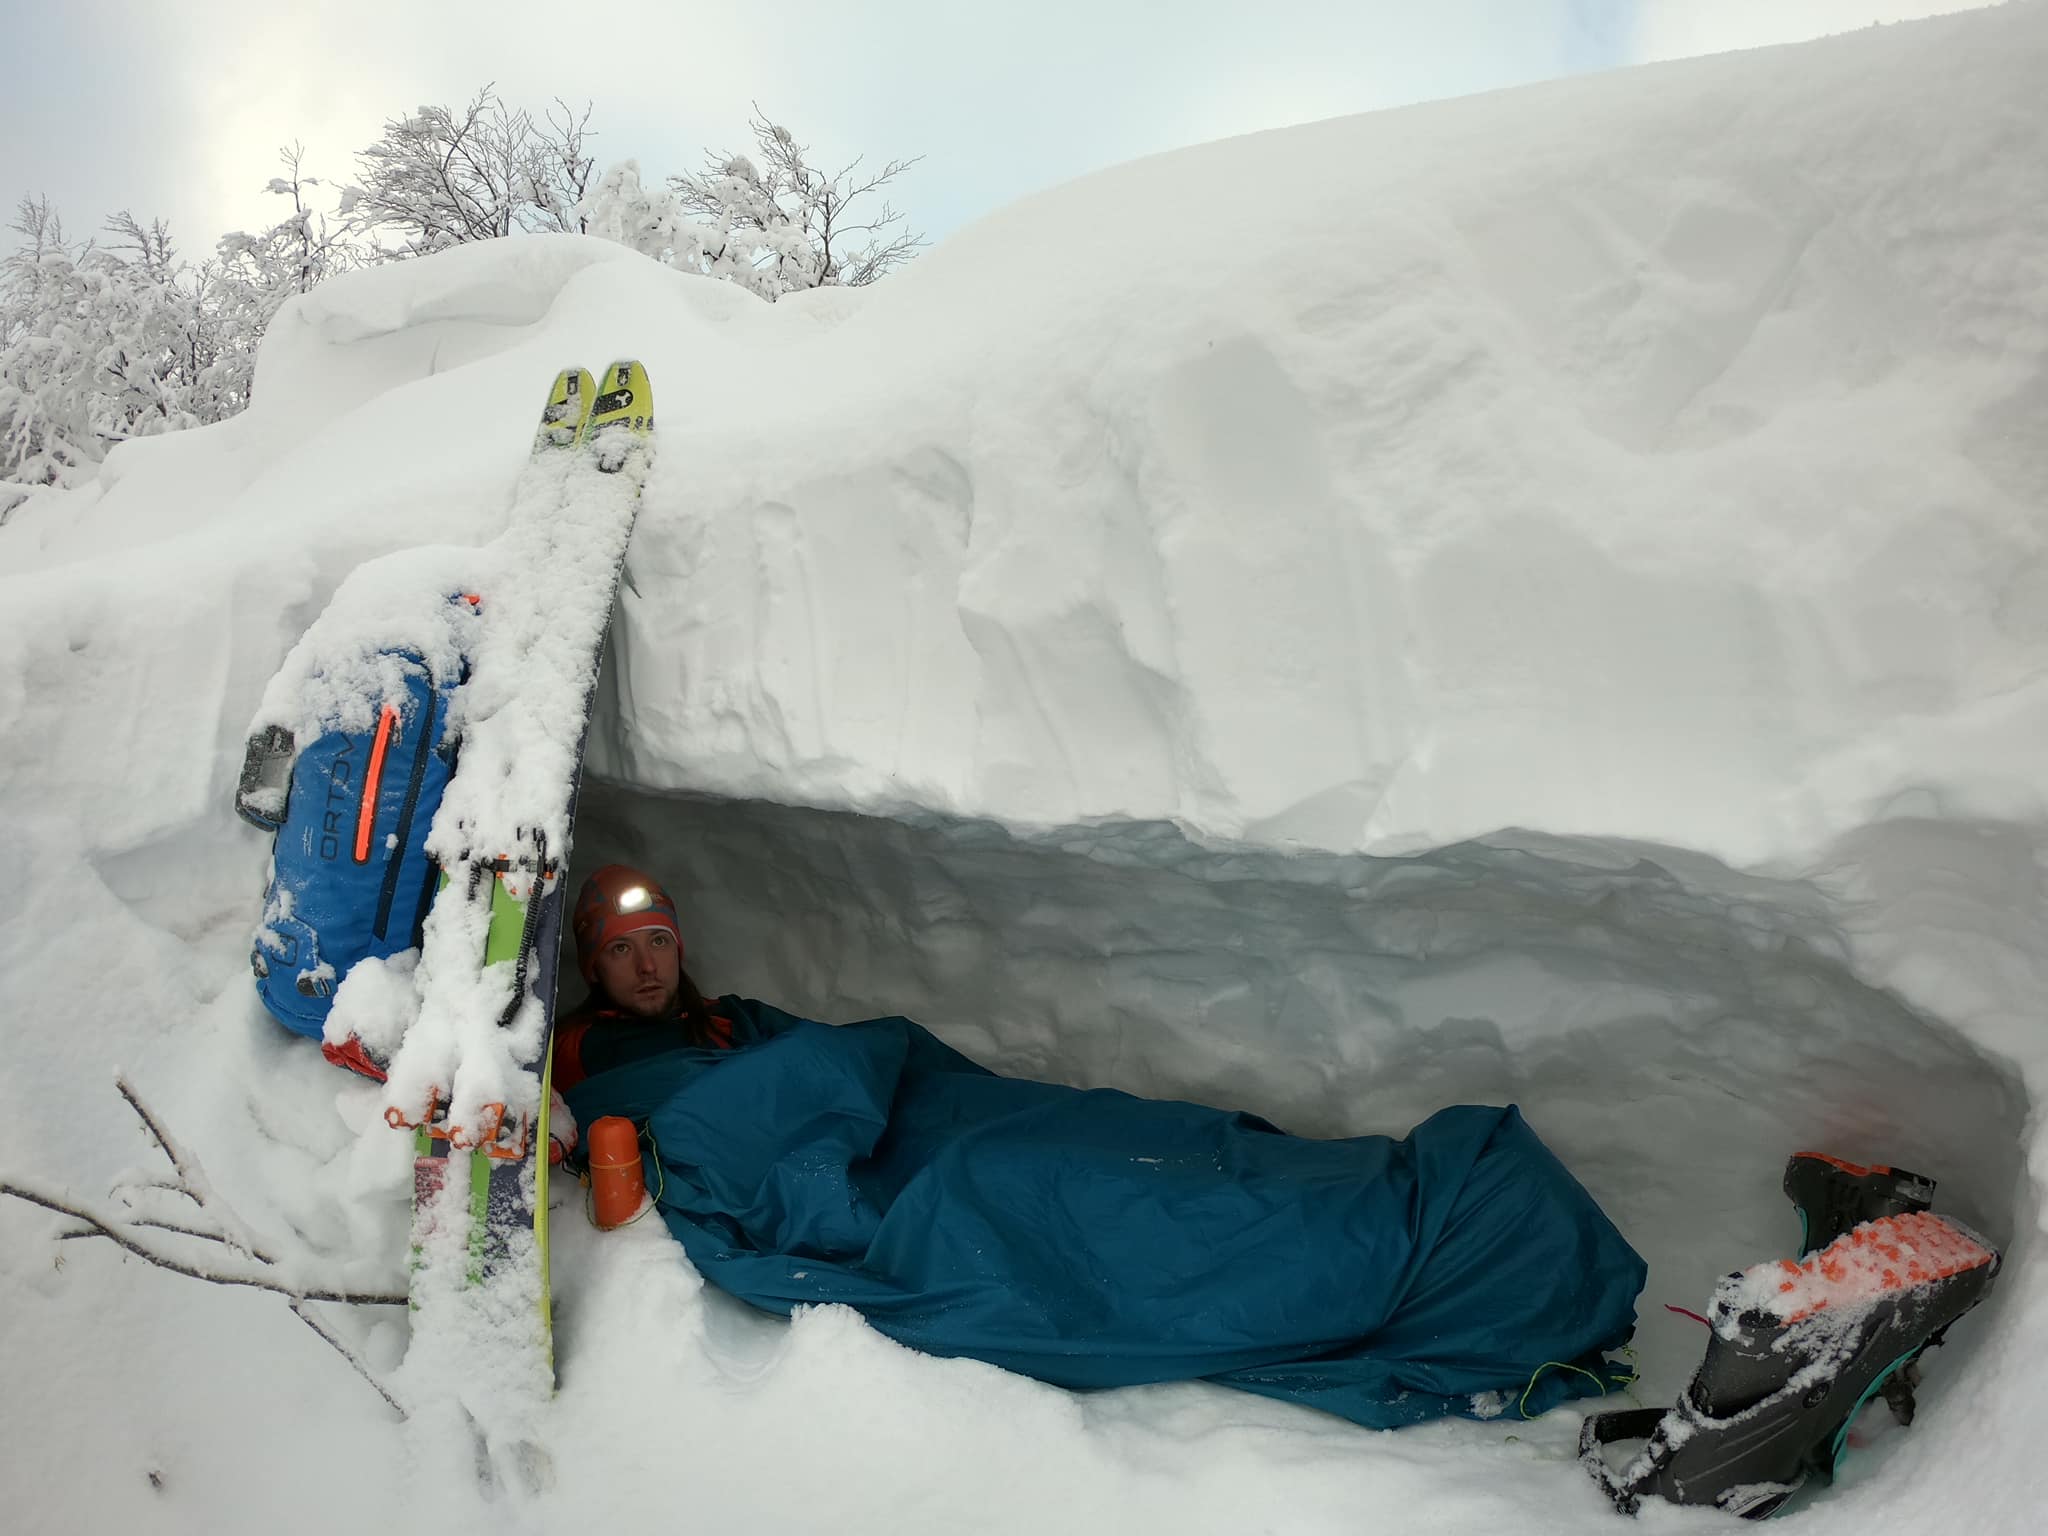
{"type": "Point", "coordinates": [563, 418]}
{"type": "Point", "coordinates": [625, 399]}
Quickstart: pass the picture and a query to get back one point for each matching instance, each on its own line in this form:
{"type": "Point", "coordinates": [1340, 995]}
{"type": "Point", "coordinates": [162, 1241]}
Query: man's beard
{"type": "Point", "coordinates": [661, 1009]}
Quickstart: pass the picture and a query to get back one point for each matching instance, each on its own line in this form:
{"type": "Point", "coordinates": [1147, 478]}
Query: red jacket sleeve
{"type": "Point", "coordinates": [568, 1066]}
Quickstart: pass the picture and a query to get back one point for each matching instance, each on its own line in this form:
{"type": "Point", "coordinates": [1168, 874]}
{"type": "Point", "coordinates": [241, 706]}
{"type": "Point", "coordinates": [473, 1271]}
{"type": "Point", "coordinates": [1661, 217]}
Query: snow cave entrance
{"type": "Point", "coordinates": [1671, 1028]}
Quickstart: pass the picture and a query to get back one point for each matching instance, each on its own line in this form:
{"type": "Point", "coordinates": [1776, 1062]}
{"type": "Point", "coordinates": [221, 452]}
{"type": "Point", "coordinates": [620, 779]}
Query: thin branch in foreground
{"type": "Point", "coordinates": [257, 1270]}
{"type": "Point", "coordinates": [120, 1234]}
{"type": "Point", "coordinates": [192, 1181]}
{"type": "Point", "coordinates": [157, 1133]}
{"type": "Point", "coordinates": [166, 1185]}
{"type": "Point", "coordinates": [158, 1226]}
{"type": "Point", "coordinates": [340, 1347]}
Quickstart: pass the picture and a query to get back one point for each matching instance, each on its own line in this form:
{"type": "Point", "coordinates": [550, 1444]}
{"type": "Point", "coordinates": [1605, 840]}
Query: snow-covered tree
{"type": "Point", "coordinates": [821, 238]}
{"type": "Point", "coordinates": [440, 177]}
{"type": "Point", "coordinates": [103, 341]}
{"type": "Point", "coordinates": [770, 222]}
{"type": "Point", "coordinates": [261, 271]}
{"type": "Point", "coordinates": [158, 338]}
{"type": "Point", "coordinates": [649, 219]}
{"type": "Point", "coordinates": [44, 409]}
{"type": "Point", "coordinates": [97, 344]}
{"type": "Point", "coordinates": [739, 245]}
{"type": "Point", "coordinates": [255, 273]}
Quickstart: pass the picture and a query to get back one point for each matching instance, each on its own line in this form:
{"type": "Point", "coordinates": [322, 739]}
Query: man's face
{"type": "Point", "coordinates": [641, 971]}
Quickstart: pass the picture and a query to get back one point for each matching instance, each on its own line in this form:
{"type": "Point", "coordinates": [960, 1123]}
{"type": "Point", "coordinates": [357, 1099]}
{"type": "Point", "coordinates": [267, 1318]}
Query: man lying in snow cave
{"type": "Point", "coordinates": [1094, 1239]}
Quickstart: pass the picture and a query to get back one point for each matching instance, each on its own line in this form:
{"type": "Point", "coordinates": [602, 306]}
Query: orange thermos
{"type": "Point", "coordinates": [616, 1185]}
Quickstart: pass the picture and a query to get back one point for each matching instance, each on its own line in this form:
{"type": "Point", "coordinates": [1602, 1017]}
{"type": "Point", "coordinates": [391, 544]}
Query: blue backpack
{"type": "Point", "coordinates": [350, 875]}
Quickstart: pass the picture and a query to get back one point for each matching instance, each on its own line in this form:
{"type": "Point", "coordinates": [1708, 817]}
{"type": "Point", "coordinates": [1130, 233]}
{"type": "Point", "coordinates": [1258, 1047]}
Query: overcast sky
{"type": "Point", "coordinates": [176, 110]}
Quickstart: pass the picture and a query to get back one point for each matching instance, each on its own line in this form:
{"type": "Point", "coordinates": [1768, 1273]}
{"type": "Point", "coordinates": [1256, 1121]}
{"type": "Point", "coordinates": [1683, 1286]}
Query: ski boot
{"type": "Point", "coordinates": [1797, 1349]}
{"type": "Point", "coordinates": [1833, 1197]}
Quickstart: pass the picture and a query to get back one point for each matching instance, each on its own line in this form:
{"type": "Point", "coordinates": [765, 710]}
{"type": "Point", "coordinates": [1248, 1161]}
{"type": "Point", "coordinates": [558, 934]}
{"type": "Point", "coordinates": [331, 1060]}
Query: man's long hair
{"type": "Point", "coordinates": [695, 1011]}
{"type": "Point", "coordinates": [690, 1008]}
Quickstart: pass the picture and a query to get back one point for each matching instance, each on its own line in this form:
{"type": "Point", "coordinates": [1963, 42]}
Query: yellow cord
{"type": "Point", "coordinates": [1623, 1383]}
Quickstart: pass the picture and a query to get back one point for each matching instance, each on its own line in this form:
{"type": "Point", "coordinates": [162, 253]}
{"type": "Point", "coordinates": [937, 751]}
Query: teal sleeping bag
{"type": "Point", "coordinates": [1094, 1239]}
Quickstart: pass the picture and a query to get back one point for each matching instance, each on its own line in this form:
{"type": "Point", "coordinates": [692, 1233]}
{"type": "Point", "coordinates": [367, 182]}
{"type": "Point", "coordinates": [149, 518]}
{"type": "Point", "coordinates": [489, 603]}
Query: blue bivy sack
{"type": "Point", "coordinates": [1093, 1239]}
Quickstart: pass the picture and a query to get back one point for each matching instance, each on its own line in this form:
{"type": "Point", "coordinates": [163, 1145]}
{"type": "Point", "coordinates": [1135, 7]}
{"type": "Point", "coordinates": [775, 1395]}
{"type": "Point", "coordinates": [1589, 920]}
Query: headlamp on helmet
{"type": "Point", "coordinates": [615, 901]}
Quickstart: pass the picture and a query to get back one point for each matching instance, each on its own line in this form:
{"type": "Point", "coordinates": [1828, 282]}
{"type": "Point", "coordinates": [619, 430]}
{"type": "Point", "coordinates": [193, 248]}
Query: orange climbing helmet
{"type": "Point", "coordinates": [618, 900]}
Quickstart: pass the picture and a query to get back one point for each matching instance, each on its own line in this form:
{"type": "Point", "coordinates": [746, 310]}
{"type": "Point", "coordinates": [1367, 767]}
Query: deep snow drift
{"type": "Point", "coordinates": [1539, 599]}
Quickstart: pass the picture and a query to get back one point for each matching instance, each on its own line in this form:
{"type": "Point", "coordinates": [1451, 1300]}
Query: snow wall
{"type": "Point", "coordinates": [1534, 598]}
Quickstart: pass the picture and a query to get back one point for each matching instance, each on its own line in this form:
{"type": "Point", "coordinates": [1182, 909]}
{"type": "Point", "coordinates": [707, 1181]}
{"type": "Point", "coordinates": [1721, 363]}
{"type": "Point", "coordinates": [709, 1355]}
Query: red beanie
{"type": "Point", "coordinates": [618, 900]}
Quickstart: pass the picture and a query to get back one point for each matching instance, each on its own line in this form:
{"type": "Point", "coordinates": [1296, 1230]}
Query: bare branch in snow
{"type": "Point", "coordinates": [341, 1347]}
{"type": "Point", "coordinates": [247, 1262]}
{"type": "Point", "coordinates": [123, 1234]}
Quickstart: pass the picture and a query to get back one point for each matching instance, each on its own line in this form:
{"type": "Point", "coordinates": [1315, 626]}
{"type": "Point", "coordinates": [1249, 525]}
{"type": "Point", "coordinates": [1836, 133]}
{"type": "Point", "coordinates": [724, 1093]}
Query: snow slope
{"type": "Point", "coordinates": [1535, 598]}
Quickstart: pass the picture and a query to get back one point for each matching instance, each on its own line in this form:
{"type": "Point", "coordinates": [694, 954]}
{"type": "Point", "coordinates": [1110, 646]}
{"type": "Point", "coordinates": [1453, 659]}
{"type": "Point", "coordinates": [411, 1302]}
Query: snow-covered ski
{"type": "Point", "coordinates": [471, 1074]}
